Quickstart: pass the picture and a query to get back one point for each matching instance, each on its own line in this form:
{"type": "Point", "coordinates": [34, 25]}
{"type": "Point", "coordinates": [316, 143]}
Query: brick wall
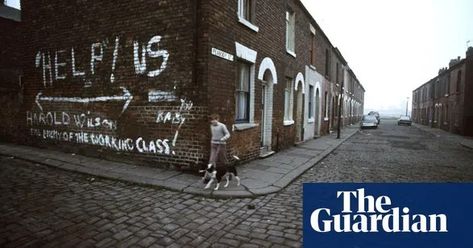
{"type": "Point", "coordinates": [445, 101]}
{"type": "Point", "coordinates": [136, 80]}
{"type": "Point", "coordinates": [11, 88]}
{"type": "Point", "coordinates": [116, 79]}
{"type": "Point", "coordinates": [469, 93]}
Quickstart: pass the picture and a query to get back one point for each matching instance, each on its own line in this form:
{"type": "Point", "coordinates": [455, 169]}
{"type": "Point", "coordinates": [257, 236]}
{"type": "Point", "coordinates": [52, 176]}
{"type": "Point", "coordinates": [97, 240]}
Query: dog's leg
{"type": "Point", "coordinates": [228, 181]}
{"type": "Point", "coordinates": [210, 183]}
{"type": "Point", "coordinates": [218, 186]}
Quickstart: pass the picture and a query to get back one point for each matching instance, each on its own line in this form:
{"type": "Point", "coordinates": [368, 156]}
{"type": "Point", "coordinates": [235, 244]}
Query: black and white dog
{"type": "Point", "coordinates": [213, 173]}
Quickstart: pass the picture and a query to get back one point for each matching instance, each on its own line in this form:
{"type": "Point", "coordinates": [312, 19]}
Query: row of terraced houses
{"type": "Point", "coordinates": [446, 101]}
{"type": "Point", "coordinates": [137, 80]}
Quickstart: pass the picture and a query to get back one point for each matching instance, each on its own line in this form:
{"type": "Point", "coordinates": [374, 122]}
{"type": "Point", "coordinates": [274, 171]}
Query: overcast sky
{"type": "Point", "coordinates": [13, 3]}
{"type": "Point", "coordinates": [393, 46]}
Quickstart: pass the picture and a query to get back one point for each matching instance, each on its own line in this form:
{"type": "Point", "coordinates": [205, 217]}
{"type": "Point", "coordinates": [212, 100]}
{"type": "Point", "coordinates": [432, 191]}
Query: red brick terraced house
{"type": "Point", "coordinates": [11, 84]}
{"type": "Point", "coordinates": [446, 101]}
{"type": "Point", "coordinates": [136, 80]}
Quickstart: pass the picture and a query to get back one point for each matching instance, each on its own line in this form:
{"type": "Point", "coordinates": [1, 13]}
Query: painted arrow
{"type": "Point", "coordinates": [127, 97]}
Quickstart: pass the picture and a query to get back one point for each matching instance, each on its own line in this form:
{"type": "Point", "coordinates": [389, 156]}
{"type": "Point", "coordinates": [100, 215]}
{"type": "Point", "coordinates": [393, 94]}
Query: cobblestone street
{"type": "Point", "coordinates": [47, 207]}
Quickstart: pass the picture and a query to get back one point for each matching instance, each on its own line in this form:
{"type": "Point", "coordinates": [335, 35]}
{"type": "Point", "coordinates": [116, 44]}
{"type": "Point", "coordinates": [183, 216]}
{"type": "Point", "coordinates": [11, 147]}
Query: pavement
{"type": "Point", "coordinates": [258, 177]}
{"type": "Point", "coordinates": [437, 132]}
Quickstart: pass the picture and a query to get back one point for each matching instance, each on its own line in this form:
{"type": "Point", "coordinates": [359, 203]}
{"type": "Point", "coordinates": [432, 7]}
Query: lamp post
{"type": "Point", "coordinates": [407, 105]}
{"type": "Point", "coordinates": [340, 109]}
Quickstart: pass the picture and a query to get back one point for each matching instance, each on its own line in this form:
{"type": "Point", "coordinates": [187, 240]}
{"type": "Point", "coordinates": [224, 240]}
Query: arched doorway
{"type": "Point", "coordinates": [266, 102]}
{"type": "Point", "coordinates": [299, 117]}
{"type": "Point", "coordinates": [268, 77]}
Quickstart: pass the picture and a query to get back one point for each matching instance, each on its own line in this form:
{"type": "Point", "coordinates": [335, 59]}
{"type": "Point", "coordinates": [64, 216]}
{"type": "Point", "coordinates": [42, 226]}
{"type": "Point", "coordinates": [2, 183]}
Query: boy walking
{"type": "Point", "coordinates": [220, 135]}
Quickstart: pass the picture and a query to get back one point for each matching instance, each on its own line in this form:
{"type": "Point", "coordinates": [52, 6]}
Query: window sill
{"type": "Point", "coordinates": [248, 24]}
{"type": "Point", "coordinates": [288, 123]}
{"type": "Point", "coordinates": [293, 54]}
{"type": "Point", "coordinates": [326, 119]}
{"type": "Point", "coordinates": [244, 126]}
{"type": "Point", "coordinates": [311, 120]}
{"type": "Point", "coordinates": [312, 67]}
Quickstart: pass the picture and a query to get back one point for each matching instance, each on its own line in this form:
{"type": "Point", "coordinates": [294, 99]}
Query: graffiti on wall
{"type": "Point", "coordinates": [53, 64]}
{"type": "Point", "coordinates": [175, 118]}
{"type": "Point", "coordinates": [95, 129]}
{"type": "Point", "coordinates": [51, 121]}
{"type": "Point", "coordinates": [126, 98]}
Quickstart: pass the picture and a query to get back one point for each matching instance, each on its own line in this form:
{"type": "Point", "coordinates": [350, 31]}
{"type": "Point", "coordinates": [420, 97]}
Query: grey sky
{"type": "Point", "coordinates": [393, 46]}
{"type": "Point", "coordinates": [13, 3]}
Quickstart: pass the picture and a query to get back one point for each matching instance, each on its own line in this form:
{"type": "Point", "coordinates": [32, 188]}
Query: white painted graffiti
{"type": "Point", "coordinates": [54, 69]}
{"type": "Point", "coordinates": [175, 117]}
{"type": "Point", "coordinates": [140, 145]}
{"type": "Point", "coordinates": [82, 120]}
{"type": "Point", "coordinates": [126, 97]}
{"type": "Point", "coordinates": [153, 51]}
{"type": "Point", "coordinates": [161, 96]}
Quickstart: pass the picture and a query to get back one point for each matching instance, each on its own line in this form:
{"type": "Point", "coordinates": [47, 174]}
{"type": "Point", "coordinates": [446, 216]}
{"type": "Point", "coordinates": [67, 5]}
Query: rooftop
{"type": "Point", "coordinates": [10, 13]}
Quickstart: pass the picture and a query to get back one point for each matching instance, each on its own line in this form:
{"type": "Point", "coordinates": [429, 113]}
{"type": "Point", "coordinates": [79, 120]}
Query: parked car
{"type": "Point", "coordinates": [375, 114]}
{"type": "Point", "coordinates": [404, 120]}
{"type": "Point", "coordinates": [369, 121]}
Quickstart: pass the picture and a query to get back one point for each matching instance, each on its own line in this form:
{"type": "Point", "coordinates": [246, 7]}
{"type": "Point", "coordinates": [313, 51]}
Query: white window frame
{"type": "Point", "coordinates": [291, 33]}
{"type": "Point", "coordinates": [246, 118]}
{"type": "Point", "coordinates": [241, 15]}
{"type": "Point", "coordinates": [249, 56]}
{"type": "Point", "coordinates": [289, 102]}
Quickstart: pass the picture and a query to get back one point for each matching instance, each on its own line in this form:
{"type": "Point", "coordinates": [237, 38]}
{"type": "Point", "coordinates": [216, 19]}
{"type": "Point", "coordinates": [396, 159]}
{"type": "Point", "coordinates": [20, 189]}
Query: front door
{"type": "Point", "coordinates": [300, 117]}
{"type": "Point", "coordinates": [263, 114]}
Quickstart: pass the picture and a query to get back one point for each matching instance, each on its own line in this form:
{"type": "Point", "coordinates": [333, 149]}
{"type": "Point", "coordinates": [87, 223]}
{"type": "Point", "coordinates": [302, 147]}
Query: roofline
{"type": "Point", "coordinates": [14, 15]}
{"type": "Point", "coordinates": [335, 49]}
{"type": "Point", "coordinates": [339, 54]}
{"type": "Point", "coordinates": [314, 22]}
{"type": "Point", "coordinates": [460, 63]}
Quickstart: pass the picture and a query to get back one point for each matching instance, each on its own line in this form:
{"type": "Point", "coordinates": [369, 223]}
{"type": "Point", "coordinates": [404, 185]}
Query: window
{"type": "Point", "coordinates": [327, 63]}
{"type": "Point", "coordinates": [312, 49]}
{"type": "Point", "coordinates": [311, 102]}
{"type": "Point", "coordinates": [288, 100]}
{"type": "Point", "coordinates": [459, 80]}
{"type": "Point", "coordinates": [242, 93]}
{"type": "Point", "coordinates": [246, 13]}
{"type": "Point", "coordinates": [338, 72]}
{"type": "Point", "coordinates": [290, 31]}
{"type": "Point", "coordinates": [246, 10]}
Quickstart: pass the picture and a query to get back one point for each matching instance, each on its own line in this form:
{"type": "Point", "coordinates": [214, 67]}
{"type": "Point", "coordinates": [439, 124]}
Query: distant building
{"type": "Point", "coordinates": [446, 101]}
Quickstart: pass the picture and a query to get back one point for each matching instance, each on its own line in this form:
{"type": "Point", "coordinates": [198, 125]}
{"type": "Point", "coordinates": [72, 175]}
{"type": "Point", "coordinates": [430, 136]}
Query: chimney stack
{"type": "Point", "coordinates": [469, 52]}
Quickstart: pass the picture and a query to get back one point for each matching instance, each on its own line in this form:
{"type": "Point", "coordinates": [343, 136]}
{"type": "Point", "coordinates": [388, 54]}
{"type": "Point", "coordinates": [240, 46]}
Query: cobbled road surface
{"type": "Point", "coordinates": [47, 207]}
